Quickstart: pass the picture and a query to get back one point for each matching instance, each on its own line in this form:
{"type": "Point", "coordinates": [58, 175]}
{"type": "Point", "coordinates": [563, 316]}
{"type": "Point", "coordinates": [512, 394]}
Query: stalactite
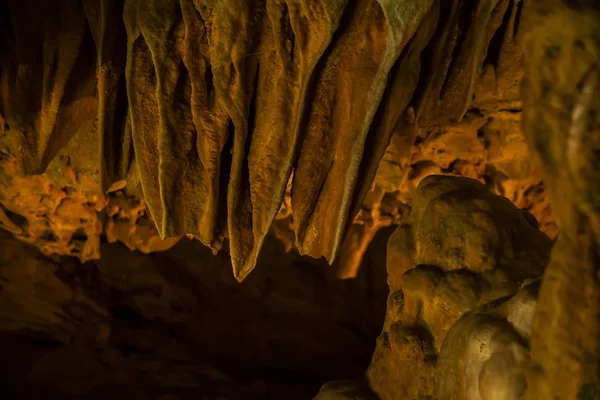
{"type": "Point", "coordinates": [205, 108]}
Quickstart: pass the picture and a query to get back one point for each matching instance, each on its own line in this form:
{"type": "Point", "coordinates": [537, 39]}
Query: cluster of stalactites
{"type": "Point", "coordinates": [212, 105]}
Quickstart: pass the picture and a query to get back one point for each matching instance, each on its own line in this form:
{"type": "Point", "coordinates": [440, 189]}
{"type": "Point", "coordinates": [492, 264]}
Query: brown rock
{"type": "Point", "coordinates": [205, 112]}
{"type": "Point", "coordinates": [486, 353]}
{"type": "Point", "coordinates": [463, 247]}
{"type": "Point", "coordinates": [561, 122]}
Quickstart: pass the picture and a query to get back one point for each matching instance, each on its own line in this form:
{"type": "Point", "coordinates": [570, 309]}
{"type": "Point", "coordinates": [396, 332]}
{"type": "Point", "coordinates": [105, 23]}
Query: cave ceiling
{"type": "Point", "coordinates": [144, 121]}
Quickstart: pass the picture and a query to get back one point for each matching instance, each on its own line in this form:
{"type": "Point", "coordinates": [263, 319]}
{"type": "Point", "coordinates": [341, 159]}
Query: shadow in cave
{"type": "Point", "coordinates": [178, 324]}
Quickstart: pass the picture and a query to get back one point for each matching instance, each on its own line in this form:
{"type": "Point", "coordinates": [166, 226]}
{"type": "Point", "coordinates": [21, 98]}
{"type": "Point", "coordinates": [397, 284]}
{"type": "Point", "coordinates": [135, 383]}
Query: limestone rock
{"type": "Point", "coordinates": [207, 111]}
{"type": "Point", "coordinates": [319, 122]}
{"type": "Point", "coordinates": [561, 95]}
{"type": "Point", "coordinates": [486, 353]}
{"type": "Point", "coordinates": [64, 211]}
{"type": "Point", "coordinates": [463, 247]}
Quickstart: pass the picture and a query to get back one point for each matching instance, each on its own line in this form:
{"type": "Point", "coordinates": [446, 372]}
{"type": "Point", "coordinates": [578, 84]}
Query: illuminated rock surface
{"type": "Point", "coordinates": [462, 248]}
{"type": "Point", "coordinates": [219, 136]}
{"type": "Point", "coordinates": [486, 354]}
{"type": "Point", "coordinates": [202, 113]}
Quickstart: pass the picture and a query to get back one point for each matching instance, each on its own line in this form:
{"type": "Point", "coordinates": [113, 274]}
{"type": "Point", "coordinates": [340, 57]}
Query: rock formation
{"type": "Point", "coordinates": [462, 248]}
{"type": "Point", "coordinates": [230, 134]}
{"type": "Point", "coordinates": [486, 353]}
{"type": "Point", "coordinates": [202, 113]}
{"type": "Point", "coordinates": [562, 124]}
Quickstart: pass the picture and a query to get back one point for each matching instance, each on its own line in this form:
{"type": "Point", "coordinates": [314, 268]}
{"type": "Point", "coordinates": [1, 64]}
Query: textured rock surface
{"type": "Point", "coordinates": [462, 247]}
{"type": "Point", "coordinates": [143, 122]}
{"type": "Point", "coordinates": [62, 212]}
{"type": "Point", "coordinates": [204, 112]}
{"type": "Point", "coordinates": [562, 123]}
{"type": "Point", "coordinates": [176, 323]}
{"type": "Point", "coordinates": [486, 353]}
